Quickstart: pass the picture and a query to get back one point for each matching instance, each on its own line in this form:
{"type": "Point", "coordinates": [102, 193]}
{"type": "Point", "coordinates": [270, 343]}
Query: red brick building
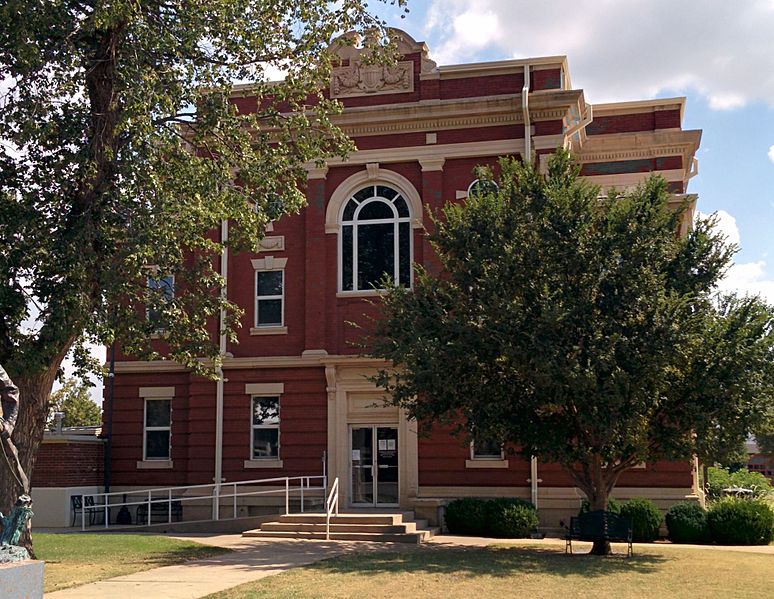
{"type": "Point", "coordinates": [294, 387]}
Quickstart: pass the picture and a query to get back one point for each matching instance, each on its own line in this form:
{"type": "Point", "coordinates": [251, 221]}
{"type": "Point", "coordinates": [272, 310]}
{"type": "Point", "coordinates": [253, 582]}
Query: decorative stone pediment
{"type": "Point", "coordinates": [360, 79]}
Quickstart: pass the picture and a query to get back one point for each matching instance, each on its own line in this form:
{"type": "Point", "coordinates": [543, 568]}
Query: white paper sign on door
{"type": "Point", "coordinates": [355, 455]}
{"type": "Point", "coordinates": [390, 445]}
{"type": "Point", "coordinates": [382, 444]}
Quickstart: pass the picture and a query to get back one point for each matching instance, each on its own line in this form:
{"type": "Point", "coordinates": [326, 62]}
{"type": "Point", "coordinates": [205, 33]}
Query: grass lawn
{"type": "Point", "coordinates": [75, 559]}
{"type": "Point", "coordinates": [500, 571]}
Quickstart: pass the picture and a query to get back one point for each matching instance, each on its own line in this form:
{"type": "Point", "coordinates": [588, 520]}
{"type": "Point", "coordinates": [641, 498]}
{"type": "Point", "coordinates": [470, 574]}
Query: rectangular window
{"type": "Point", "coordinates": [269, 303]}
{"type": "Point", "coordinates": [265, 428]}
{"type": "Point", "coordinates": [161, 290]}
{"type": "Point", "coordinates": [486, 450]}
{"type": "Point", "coordinates": [158, 429]}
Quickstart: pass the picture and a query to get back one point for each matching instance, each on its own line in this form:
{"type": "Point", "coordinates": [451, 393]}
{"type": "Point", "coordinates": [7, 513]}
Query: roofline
{"type": "Point", "coordinates": [500, 64]}
{"type": "Point", "coordinates": [635, 105]}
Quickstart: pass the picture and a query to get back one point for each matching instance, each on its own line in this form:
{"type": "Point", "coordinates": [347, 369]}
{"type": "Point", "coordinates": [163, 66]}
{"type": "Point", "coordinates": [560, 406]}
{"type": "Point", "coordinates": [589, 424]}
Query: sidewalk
{"type": "Point", "coordinates": [253, 559]}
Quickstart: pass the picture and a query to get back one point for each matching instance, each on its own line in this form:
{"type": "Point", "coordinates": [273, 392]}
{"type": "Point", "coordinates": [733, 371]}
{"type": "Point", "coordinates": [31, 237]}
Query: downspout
{"type": "Point", "coordinates": [219, 387]}
{"type": "Point", "coordinates": [533, 479]}
{"type": "Point", "coordinates": [108, 420]}
{"type": "Point", "coordinates": [582, 124]}
{"type": "Point", "coordinates": [525, 114]}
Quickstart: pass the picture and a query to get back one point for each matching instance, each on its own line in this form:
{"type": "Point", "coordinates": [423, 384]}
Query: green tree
{"type": "Point", "coordinates": [573, 328]}
{"type": "Point", "coordinates": [122, 153]}
{"type": "Point", "coordinates": [765, 442]}
{"type": "Point", "coordinates": [74, 401]}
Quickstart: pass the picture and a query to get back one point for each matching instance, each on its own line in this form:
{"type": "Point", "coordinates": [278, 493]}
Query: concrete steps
{"type": "Point", "coordinates": [378, 527]}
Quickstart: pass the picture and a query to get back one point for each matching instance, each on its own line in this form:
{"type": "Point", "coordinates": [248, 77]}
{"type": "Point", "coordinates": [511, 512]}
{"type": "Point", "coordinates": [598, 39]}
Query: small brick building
{"type": "Point", "coordinates": [295, 390]}
{"type": "Point", "coordinates": [70, 462]}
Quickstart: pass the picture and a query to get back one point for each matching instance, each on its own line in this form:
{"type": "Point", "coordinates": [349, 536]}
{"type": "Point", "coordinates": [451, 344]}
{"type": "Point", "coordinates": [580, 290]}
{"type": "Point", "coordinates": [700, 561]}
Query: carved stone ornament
{"type": "Point", "coordinates": [360, 79]}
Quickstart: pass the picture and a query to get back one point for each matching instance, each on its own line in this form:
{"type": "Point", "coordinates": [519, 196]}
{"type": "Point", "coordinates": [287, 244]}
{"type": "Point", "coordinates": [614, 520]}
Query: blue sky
{"type": "Point", "coordinates": [718, 54]}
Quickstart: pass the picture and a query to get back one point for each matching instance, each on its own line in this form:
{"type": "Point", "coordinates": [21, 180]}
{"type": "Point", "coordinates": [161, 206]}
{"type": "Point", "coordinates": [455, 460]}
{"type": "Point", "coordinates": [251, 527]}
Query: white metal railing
{"type": "Point", "coordinates": [175, 497]}
{"type": "Point", "coordinates": [331, 506]}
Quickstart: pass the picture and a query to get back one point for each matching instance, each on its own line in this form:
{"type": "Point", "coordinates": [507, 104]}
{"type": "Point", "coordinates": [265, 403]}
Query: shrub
{"type": "Point", "coordinates": [735, 521]}
{"type": "Point", "coordinates": [612, 506]}
{"type": "Point", "coordinates": [687, 523]}
{"type": "Point", "coordinates": [645, 517]}
{"type": "Point", "coordinates": [510, 518]}
{"type": "Point", "coordinates": [466, 516]}
{"type": "Point", "coordinates": [722, 478]}
{"type": "Point", "coordinates": [504, 518]}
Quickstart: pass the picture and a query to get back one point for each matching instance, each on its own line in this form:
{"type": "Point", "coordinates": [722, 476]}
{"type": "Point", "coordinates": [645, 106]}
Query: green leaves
{"type": "Point", "coordinates": [130, 149]}
{"type": "Point", "coordinates": [577, 327]}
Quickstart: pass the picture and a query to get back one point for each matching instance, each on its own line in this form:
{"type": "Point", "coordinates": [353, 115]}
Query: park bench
{"type": "Point", "coordinates": [94, 512]}
{"type": "Point", "coordinates": [599, 525]}
{"type": "Point", "coordinates": [160, 512]}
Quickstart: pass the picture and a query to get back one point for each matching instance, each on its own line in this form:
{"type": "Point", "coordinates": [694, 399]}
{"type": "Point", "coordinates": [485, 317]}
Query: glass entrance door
{"type": "Point", "coordinates": [374, 471]}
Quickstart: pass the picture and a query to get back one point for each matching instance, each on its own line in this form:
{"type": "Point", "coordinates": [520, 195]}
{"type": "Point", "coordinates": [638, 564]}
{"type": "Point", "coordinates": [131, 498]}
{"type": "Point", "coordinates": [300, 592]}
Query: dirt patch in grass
{"type": "Point", "coordinates": [498, 572]}
{"type": "Point", "coordinates": [76, 559]}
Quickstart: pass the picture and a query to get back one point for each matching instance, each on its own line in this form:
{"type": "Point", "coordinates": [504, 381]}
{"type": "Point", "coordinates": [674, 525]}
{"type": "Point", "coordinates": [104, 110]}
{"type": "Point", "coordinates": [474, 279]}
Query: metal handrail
{"type": "Point", "coordinates": [150, 497]}
{"type": "Point", "coordinates": [331, 505]}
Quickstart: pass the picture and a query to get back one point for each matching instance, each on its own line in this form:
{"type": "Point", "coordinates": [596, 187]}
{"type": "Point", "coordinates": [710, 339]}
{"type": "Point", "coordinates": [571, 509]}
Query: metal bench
{"type": "Point", "coordinates": [93, 511]}
{"type": "Point", "coordinates": [599, 525]}
{"type": "Point", "coordinates": [160, 512]}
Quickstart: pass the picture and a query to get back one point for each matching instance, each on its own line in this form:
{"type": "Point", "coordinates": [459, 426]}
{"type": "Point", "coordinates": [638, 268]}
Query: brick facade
{"type": "Point", "coordinates": [429, 138]}
{"type": "Point", "coordinates": [69, 463]}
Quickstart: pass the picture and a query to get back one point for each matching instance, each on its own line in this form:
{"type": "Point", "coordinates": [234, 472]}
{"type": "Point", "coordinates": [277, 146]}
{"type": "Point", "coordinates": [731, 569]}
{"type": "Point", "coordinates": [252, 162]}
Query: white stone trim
{"type": "Point", "coordinates": [275, 243]}
{"type": "Point", "coordinates": [316, 172]}
{"type": "Point", "coordinates": [157, 392]}
{"type": "Point", "coordinates": [265, 389]}
{"type": "Point", "coordinates": [372, 168]}
{"type": "Point", "coordinates": [362, 179]}
{"type": "Point", "coordinates": [263, 464]}
{"type": "Point", "coordinates": [154, 465]}
{"type": "Point", "coordinates": [432, 164]}
{"type": "Point", "coordinates": [269, 263]}
{"type": "Point", "coordinates": [473, 149]}
{"type": "Point", "coordinates": [484, 464]}
{"type": "Point", "coordinates": [257, 331]}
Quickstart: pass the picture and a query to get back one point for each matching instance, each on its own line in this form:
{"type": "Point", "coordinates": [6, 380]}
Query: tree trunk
{"type": "Point", "coordinates": [599, 501]}
{"type": "Point", "coordinates": [34, 390]}
{"type": "Point", "coordinates": [597, 481]}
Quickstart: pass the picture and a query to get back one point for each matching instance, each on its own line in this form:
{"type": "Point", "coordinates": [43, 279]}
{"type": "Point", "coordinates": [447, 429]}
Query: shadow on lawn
{"type": "Point", "coordinates": [491, 561]}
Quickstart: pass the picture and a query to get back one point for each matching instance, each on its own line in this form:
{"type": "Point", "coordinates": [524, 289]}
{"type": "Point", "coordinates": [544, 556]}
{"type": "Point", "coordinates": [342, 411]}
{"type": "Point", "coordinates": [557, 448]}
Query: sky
{"type": "Point", "coordinates": [716, 53]}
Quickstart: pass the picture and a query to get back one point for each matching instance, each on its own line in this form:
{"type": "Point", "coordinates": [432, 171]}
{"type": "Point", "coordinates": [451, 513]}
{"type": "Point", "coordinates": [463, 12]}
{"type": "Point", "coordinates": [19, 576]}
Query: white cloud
{"type": "Point", "coordinates": [771, 153]}
{"type": "Point", "coordinates": [746, 278]}
{"type": "Point", "coordinates": [749, 278]}
{"type": "Point", "coordinates": [623, 50]}
{"type": "Point", "coordinates": [726, 224]}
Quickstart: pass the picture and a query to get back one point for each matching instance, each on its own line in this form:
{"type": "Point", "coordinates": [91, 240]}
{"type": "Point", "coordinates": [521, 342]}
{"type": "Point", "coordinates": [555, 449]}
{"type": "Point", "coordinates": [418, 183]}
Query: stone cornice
{"type": "Point", "coordinates": [141, 367]}
{"type": "Point", "coordinates": [433, 151]}
{"type": "Point", "coordinates": [639, 145]}
{"type": "Point", "coordinates": [454, 114]}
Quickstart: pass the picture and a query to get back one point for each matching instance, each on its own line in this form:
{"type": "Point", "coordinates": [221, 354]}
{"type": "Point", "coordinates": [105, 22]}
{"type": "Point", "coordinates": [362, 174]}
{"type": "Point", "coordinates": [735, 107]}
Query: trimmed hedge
{"type": "Point", "coordinates": [465, 516]}
{"type": "Point", "coordinates": [646, 519]}
{"type": "Point", "coordinates": [510, 518]}
{"type": "Point", "coordinates": [687, 523]}
{"type": "Point", "coordinates": [735, 521]}
{"type": "Point", "coordinates": [502, 518]}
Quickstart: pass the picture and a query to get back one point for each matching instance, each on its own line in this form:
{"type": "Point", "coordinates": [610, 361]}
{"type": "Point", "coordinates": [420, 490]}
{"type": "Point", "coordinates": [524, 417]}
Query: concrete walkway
{"type": "Point", "coordinates": [253, 559]}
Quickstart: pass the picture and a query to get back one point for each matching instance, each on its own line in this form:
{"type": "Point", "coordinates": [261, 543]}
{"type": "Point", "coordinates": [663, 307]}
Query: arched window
{"type": "Point", "coordinates": [482, 186]}
{"type": "Point", "coordinates": [375, 239]}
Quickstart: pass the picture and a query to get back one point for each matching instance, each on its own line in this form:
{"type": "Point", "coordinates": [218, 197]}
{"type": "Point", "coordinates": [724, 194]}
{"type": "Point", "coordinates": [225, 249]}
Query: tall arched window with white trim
{"type": "Point", "coordinates": [375, 239]}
